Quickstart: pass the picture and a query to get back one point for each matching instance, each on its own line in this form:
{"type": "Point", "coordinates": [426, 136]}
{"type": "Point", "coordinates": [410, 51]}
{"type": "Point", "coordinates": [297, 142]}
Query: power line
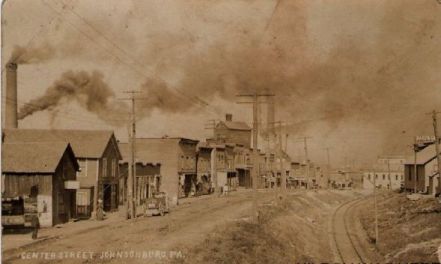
{"type": "Point", "coordinates": [194, 100]}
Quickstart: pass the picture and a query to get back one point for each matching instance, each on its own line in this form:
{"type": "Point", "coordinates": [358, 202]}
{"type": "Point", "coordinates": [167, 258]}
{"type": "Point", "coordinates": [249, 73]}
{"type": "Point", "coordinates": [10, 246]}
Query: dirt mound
{"type": "Point", "coordinates": [289, 230]}
{"type": "Point", "coordinates": [408, 230]}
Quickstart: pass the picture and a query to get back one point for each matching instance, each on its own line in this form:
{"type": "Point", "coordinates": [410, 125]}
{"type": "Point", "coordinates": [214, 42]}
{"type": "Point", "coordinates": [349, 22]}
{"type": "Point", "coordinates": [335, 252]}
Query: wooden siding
{"type": "Point", "coordinates": [21, 184]}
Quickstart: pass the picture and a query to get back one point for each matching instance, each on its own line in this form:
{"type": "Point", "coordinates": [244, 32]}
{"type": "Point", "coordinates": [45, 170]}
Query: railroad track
{"type": "Point", "coordinates": [344, 243]}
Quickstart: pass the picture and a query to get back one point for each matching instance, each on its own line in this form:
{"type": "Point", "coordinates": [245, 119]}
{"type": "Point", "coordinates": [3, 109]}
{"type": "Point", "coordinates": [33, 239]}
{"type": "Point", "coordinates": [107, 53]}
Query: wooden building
{"type": "Point", "coordinates": [147, 176]}
{"type": "Point", "coordinates": [426, 179]}
{"type": "Point", "coordinates": [45, 171]}
{"type": "Point", "coordinates": [97, 154]}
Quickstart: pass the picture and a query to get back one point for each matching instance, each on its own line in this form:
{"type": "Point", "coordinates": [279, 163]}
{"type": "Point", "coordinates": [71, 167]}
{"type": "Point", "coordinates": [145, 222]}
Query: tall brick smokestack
{"type": "Point", "coordinates": [11, 96]}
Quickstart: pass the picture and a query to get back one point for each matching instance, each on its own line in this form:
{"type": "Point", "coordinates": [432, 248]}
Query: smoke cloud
{"type": "Point", "coordinates": [376, 63]}
{"type": "Point", "coordinates": [27, 55]}
{"type": "Point", "coordinates": [88, 89]}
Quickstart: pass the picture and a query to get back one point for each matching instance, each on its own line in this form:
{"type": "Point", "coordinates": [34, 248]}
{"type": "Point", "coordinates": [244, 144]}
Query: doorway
{"type": "Point", "coordinates": [107, 197]}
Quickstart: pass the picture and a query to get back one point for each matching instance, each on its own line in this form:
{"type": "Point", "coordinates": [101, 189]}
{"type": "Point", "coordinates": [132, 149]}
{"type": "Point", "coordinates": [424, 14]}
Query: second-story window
{"type": "Point", "coordinates": [113, 167]}
{"type": "Point", "coordinates": [104, 167]}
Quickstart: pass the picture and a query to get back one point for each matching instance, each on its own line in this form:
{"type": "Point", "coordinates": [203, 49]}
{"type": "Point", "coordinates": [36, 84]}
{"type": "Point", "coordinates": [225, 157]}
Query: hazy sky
{"type": "Point", "coordinates": [363, 73]}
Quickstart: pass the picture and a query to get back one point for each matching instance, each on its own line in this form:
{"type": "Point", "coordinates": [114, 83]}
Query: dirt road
{"type": "Point", "coordinates": [187, 233]}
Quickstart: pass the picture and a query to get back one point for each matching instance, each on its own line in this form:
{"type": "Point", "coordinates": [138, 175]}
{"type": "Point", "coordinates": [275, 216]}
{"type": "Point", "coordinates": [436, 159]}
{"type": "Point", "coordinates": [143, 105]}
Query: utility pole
{"type": "Point", "coordinates": [280, 156]}
{"type": "Point", "coordinates": [388, 173]}
{"type": "Point", "coordinates": [328, 169]}
{"type": "Point", "coordinates": [255, 175]}
{"type": "Point", "coordinates": [415, 171]}
{"type": "Point", "coordinates": [375, 208]}
{"type": "Point", "coordinates": [131, 167]}
{"type": "Point", "coordinates": [305, 144]}
{"type": "Point", "coordinates": [435, 130]}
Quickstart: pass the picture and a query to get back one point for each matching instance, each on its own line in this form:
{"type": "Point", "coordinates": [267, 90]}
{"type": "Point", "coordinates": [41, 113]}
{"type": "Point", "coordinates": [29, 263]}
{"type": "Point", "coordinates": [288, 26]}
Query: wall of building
{"type": "Point", "coordinates": [64, 200]}
{"type": "Point", "coordinates": [165, 152]}
{"type": "Point", "coordinates": [383, 180]}
{"type": "Point", "coordinates": [88, 174]}
{"type": "Point", "coordinates": [409, 178]}
{"type": "Point", "coordinates": [20, 184]}
{"type": "Point", "coordinates": [108, 174]}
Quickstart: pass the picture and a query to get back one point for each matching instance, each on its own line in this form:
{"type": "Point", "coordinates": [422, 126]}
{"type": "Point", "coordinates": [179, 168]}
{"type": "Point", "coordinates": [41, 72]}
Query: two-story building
{"type": "Point", "coordinates": [177, 157]}
{"type": "Point", "coordinates": [233, 132]}
{"type": "Point", "coordinates": [97, 154]}
{"type": "Point", "coordinates": [389, 174]}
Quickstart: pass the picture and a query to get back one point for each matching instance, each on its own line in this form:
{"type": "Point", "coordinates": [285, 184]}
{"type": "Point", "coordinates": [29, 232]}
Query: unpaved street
{"type": "Point", "coordinates": [200, 230]}
{"type": "Point", "coordinates": [184, 226]}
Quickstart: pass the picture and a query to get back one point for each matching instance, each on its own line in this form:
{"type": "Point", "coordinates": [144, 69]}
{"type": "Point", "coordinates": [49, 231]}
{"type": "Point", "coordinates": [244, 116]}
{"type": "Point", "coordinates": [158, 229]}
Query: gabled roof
{"type": "Point", "coordinates": [424, 156]}
{"type": "Point", "coordinates": [85, 143]}
{"type": "Point", "coordinates": [165, 138]}
{"type": "Point", "coordinates": [235, 125]}
{"type": "Point", "coordinates": [42, 157]}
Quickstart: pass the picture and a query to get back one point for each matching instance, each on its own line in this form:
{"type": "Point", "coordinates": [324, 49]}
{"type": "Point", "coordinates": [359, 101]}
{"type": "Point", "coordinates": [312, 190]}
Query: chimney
{"type": "Point", "coordinates": [11, 96]}
{"type": "Point", "coordinates": [228, 117]}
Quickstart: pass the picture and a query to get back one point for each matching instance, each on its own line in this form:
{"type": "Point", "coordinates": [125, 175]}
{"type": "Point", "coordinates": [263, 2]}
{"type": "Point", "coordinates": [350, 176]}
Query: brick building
{"type": "Point", "coordinates": [233, 132]}
{"type": "Point", "coordinates": [147, 177]}
{"type": "Point", "coordinates": [177, 157]}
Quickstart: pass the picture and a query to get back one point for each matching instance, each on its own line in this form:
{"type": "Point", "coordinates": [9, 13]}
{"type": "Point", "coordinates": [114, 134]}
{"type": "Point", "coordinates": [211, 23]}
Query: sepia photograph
{"type": "Point", "coordinates": [220, 131]}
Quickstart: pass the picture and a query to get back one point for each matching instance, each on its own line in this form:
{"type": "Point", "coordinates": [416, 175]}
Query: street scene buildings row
{"type": "Point", "coordinates": [72, 172]}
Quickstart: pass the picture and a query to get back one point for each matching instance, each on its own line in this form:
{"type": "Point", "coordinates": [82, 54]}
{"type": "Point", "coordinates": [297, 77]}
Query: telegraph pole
{"type": "Point", "coordinates": [415, 171]}
{"type": "Point", "coordinates": [375, 207]}
{"type": "Point", "coordinates": [280, 149]}
{"type": "Point", "coordinates": [255, 101]}
{"type": "Point", "coordinates": [435, 130]}
{"type": "Point", "coordinates": [131, 167]}
{"type": "Point", "coordinates": [328, 171]}
{"type": "Point", "coordinates": [305, 144]}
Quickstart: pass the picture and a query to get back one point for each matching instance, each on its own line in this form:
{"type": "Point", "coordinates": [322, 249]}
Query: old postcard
{"type": "Point", "coordinates": [228, 131]}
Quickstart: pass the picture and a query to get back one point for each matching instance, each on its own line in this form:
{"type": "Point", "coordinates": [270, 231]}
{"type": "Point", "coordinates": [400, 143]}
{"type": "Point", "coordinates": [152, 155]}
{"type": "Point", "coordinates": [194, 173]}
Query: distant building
{"type": "Point", "coordinates": [97, 154]}
{"type": "Point", "coordinates": [177, 157]}
{"type": "Point", "coordinates": [234, 132]}
{"type": "Point", "coordinates": [389, 174]}
{"type": "Point", "coordinates": [340, 179]}
{"type": "Point", "coordinates": [44, 171]}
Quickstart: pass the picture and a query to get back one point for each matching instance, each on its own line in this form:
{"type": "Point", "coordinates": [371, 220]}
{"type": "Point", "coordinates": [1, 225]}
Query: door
{"type": "Point", "coordinates": [107, 197]}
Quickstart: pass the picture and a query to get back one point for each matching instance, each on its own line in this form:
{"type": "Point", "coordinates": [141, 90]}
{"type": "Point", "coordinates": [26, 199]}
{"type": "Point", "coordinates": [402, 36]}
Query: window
{"type": "Point", "coordinates": [384, 177]}
{"type": "Point", "coordinates": [104, 167]}
{"type": "Point", "coordinates": [113, 167]}
{"type": "Point", "coordinates": [376, 176]}
{"type": "Point", "coordinates": [396, 177]}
